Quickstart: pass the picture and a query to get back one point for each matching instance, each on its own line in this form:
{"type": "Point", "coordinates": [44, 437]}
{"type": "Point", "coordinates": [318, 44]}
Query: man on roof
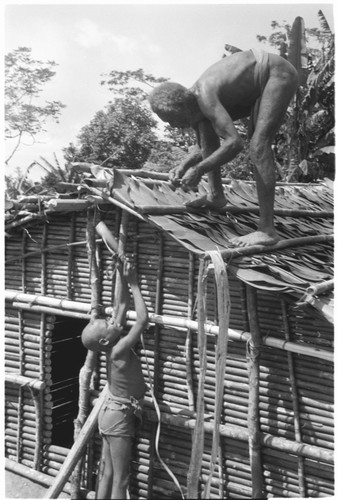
{"type": "Point", "coordinates": [248, 83]}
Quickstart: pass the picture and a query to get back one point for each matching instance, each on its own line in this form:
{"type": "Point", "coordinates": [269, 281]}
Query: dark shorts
{"type": "Point", "coordinates": [119, 418]}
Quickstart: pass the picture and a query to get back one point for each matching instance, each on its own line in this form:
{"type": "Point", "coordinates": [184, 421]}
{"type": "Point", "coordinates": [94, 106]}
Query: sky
{"type": "Point", "coordinates": [175, 40]}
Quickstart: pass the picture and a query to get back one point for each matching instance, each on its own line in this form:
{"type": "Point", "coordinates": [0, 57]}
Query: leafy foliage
{"type": "Point", "coordinates": [120, 136]}
{"type": "Point", "coordinates": [24, 81]}
{"type": "Point", "coordinates": [125, 133]}
{"type": "Point", "coordinates": [304, 144]}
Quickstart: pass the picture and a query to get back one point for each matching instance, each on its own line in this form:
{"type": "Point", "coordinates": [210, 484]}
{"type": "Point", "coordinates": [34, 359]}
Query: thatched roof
{"type": "Point", "coordinates": [301, 264]}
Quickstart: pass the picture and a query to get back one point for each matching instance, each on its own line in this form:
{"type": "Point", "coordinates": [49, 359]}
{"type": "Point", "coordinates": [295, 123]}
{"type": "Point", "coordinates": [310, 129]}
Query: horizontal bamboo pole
{"type": "Point", "coordinates": [31, 474]}
{"type": "Point", "coordinates": [321, 287]}
{"type": "Point", "coordinates": [281, 245]}
{"type": "Point", "coordinates": [38, 385]}
{"type": "Point", "coordinates": [300, 449]}
{"type": "Point", "coordinates": [231, 209]}
{"type": "Point", "coordinates": [65, 305]}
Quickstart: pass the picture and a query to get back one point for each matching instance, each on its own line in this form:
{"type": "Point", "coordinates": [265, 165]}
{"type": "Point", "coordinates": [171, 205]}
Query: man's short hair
{"type": "Point", "coordinates": [169, 96]}
{"type": "Point", "coordinates": [100, 335]}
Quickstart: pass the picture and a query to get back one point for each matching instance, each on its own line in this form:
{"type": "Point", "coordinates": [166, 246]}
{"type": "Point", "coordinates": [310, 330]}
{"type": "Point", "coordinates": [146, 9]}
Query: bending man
{"type": "Point", "coordinates": [249, 83]}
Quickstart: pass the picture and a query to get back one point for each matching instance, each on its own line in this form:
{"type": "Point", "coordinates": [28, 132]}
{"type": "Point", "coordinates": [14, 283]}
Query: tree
{"type": "Point", "coordinates": [304, 144]}
{"type": "Point", "coordinates": [125, 133]}
{"type": "Point", "coordinates": [120, 136]}
{"type": "Point", "coordinates": [25, 79]}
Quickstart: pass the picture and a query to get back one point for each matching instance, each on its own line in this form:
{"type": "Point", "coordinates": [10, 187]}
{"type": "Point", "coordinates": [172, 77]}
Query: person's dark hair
{"type": "Point", "coordinates": [170, 96]}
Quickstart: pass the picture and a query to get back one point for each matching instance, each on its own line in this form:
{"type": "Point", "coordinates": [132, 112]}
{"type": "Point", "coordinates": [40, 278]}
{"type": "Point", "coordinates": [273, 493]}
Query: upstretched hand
{"type": "Point", "coordinates": [130, 272]}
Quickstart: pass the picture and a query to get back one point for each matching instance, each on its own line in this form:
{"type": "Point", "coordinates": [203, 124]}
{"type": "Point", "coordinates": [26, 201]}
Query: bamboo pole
{"type": "Point", "coordinates": [78, 448]}
{"type": "Point", "coordinates": [156, 373]}
{"type": "Point", "coordinates": [198, 435]}
{"type": "Point", "coordinates": [20, 380]}
{"type": "Point", "coordinates": [31, 474]}
{"type": "Point", "coordinates": [63, 306]}
{"type": "Point", "coordinates": [321, 287]}
{"type": "Point", "coordinates": [241, 434]}
{"type": "Point", "coordinates": [185, 209]}
{"type": "Point", "coordinates": [253, 354]}
{"type": "Point", "coordinates": [86, 371]}
{"type": "Point", "coordinates": [281, 245]}
{"type": "Point", "coordinates": [297, 421]}
{"type": "Point", "coordinates": [188, 343]}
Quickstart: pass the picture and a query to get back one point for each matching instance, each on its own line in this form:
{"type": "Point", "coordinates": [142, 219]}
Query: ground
{"type": "Point", "coordinates": [20, 487]}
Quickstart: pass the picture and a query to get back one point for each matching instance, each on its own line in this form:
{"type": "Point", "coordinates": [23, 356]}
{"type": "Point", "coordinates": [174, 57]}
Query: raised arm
{"type": "Point", "coordinates": [123, 300]}
{"type": "Point", "coordinates": [128, 341]}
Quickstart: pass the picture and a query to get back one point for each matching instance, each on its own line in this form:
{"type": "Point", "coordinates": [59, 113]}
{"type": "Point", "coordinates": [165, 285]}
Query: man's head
{"type": "Point", "coordinates": [100, 334]}
{"type": "Point", "coordinates": [174, 104]}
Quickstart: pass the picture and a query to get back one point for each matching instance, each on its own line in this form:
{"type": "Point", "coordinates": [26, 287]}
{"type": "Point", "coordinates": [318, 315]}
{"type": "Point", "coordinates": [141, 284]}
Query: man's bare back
{"type": "Point", "coordinates": [247, 83]}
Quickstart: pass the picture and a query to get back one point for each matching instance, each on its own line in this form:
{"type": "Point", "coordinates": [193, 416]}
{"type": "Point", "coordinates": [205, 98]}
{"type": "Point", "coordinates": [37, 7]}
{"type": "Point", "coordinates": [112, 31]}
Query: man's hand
{"type": "Point", "coordinates": [130, 272]}
{"type": "Point", "coordinates": [176, 174]}
{"type": "Point", "coordinates": [191, 179]}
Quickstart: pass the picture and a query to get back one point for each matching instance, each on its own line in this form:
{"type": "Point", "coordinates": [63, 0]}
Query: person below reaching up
{"type": "Point", "coordinates": [122, 408]}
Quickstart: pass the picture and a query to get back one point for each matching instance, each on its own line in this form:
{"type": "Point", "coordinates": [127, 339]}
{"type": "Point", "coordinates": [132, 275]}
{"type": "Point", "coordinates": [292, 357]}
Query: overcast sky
{"type": "Point", "coordinates": [177, 40]}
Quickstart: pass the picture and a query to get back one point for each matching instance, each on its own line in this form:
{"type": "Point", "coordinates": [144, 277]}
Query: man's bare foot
{"type": "Point", "coordinates": [255, 238]}
{"type": "Point", "coordinates": [206, 202]}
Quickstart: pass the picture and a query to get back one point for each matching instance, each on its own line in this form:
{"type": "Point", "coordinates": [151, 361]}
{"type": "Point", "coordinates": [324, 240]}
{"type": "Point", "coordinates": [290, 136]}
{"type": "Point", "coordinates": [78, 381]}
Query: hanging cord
{"type": "Point", "coordinates": [168, 470]}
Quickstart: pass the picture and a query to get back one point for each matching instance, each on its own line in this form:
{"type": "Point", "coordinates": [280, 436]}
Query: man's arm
{"type": "Point", "coordinates": [133, 336]}
{"type": "Point", "coordinates": [217, 124]}
{"type": "Point", "coordinates": [124, 297]}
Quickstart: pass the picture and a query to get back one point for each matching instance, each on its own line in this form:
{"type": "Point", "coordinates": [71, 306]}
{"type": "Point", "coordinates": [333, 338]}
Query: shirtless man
{"type": "Point", "coordinates": [122, 408]}
{"type": "Point", "coordinates": [249, 83]}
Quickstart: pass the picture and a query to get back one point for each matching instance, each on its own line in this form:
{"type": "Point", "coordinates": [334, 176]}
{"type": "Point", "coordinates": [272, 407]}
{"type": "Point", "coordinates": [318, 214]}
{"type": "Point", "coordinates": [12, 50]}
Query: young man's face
{"type": "Point", "coordinates": [111, 335]}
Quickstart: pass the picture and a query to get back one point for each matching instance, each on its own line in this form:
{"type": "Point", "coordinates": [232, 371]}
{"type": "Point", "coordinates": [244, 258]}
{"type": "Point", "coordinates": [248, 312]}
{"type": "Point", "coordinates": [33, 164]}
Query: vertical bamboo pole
{"type": "Point", "coordinates": [253, 354]}
{"type": "Point", "coordinates": [44, 260]}
{"type": "Point", "coordinates": [37, 398]}
{"type": "Point", "coordinates": [295, 402]}
{"type": "Point", "coordinates": [244, 308]}
{"type": "Point", "coordinates": [20, 395]}
{"type": "Point", "coordinates": [91, 358]}
{"type": "Point", "coordinates": [71, 257]}
{"type": "Point", "coordinates": [23, 262]}
{"type": "Point", "coordinates": [198, 434]}
{"type": "Point", "coordinates": [188, 344]}
{"type": "Point", "coordinates": [158, 310]}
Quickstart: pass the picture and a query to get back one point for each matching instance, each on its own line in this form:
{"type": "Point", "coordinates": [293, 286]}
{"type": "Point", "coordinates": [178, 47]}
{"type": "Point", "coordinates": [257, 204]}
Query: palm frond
{"type": "Point", "coordinates": [324, 23]}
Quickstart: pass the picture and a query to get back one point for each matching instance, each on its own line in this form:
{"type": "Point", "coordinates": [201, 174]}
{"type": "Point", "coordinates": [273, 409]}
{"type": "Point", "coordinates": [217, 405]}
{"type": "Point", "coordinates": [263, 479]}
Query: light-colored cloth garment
{"type": "Point", "coordinates": [261, 75]}
{"type": "Point", "coordinates": [118, 416]}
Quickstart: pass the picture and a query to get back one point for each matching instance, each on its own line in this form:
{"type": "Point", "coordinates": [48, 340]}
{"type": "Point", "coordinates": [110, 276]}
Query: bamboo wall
{"type": "Point", "coordinates": [295, 393]}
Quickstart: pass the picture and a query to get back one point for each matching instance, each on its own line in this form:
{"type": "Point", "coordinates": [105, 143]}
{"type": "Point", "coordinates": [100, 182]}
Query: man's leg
{"type": "Point", "coordinates": [105, 472]}
{"type": "Point", "coordinates": [120, 452]}
{"type": "Point", "coordinates": [275, 99]}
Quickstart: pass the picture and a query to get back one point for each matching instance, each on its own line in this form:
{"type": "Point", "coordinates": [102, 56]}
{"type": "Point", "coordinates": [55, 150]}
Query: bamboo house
{"type": "Point", "coordinates": [238, 353]}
